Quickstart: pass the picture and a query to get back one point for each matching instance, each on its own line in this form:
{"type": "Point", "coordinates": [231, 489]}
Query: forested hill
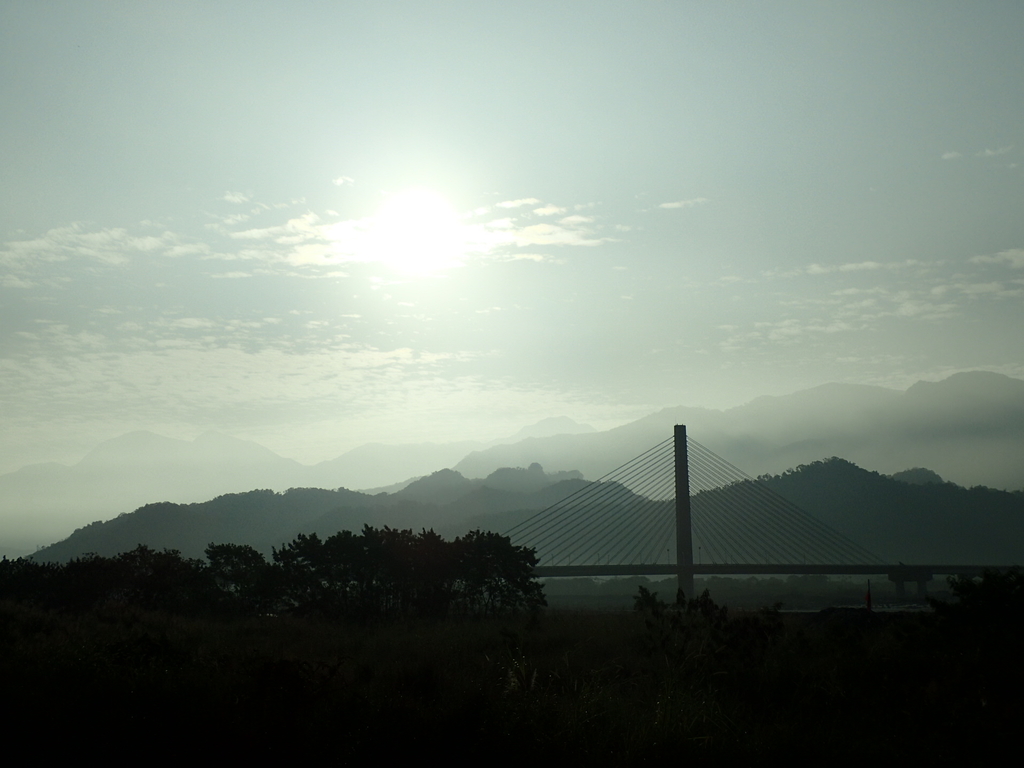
{"type": "Point", "coordinates": [904, 520]}
{"type": "Point", "coordinates": [257, 518]}
{"type": "Point", "coordinates": [444, 501]}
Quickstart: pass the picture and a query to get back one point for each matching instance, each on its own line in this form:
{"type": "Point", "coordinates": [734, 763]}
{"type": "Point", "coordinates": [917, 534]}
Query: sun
{"type": "Point", "coordinates": [417, 232]}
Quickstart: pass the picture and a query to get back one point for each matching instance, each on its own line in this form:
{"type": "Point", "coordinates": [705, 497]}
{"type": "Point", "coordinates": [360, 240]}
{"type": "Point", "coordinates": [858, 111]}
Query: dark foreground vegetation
{"type": "Point", "coordinates": [795, 593]}
{"type": "Point", "coordinates": [686, 680]}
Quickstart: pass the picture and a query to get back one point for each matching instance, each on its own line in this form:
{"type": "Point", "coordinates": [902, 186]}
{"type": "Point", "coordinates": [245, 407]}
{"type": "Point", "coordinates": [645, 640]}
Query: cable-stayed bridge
{"type": "Point", "coordinates": [681, 509]}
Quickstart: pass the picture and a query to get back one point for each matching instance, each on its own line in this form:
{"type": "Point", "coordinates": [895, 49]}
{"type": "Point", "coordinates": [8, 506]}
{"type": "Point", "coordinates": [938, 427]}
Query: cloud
{"type": "Point", "coordinates": [190, 323]}
{"type": "Point", "coordinates": [858, 266]}
{"type": "Point", "coordinates": [548, 210]}
{"type": "Point", "coordinates": [301, 241]}
{"type": "Point", "coordinates": [292, 232]}
{"type": "Point", "coordinates": [343, 180]}
{"type": "Point", "coordinates": [309, 241]}
{"type": "Point", "coordinates": [12, 281]}
{"type": "Point", "coordinates": [113, 246]}
{"type": "Point", "coordinates": [995, 152]}
{"type": "Point", "coordinates": [550, 234]}
{"type": "Point", "coordinates": [951, 155]}
{"type": "Point", "coordinates": [1013, 258]}
{"type": "Point", "coordinates": [925, 310]}
{"type": "Point", "coordinates": [857, 291]}
{"type": "Point", "coordinates": [505, 223]}
{"type": "Point", "coordinates": [825, 269]}
{"type": "Point", "coordinates": [685, 203]}
{"type": "Point", "coordinates": [182, 375]}
{"type": "Point", "coordinates": [188, 249]}
{"type": "Point", "coordinates": [863, 309]}
{"type": "Point", "coordinates": [236, 197]}
{"type": "Point", "coordinates": [989, 289]}
{"type": "Point", "coordinates": [518, 203]}
{"type": "Point", "coordinates": [975, 289]}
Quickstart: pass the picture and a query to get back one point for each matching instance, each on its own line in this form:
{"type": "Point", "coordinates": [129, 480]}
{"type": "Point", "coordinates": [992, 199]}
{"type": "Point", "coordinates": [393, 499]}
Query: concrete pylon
{"type": "Point", "coordinates": [684, 536]}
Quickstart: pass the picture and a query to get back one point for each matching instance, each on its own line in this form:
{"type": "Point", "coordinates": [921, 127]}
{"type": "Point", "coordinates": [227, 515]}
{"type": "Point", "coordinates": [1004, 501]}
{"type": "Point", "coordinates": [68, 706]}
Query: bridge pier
{"type": "Point", "coordinates": [684, 536]}
{"type": "Point", "coordinates": [902, 575]}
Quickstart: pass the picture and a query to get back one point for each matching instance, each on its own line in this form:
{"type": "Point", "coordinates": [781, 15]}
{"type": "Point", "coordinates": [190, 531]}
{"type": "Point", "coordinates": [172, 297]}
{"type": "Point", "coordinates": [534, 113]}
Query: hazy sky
{"type": "Point", "coordinates": [320, 224]}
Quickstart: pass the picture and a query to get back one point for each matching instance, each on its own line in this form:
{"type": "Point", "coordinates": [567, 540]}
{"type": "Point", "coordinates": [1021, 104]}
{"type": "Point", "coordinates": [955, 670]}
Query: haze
{"type": "Point", "coordinates": [319, 225]}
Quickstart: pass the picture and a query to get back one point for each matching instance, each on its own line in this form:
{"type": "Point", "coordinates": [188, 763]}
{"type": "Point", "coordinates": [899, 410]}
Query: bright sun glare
{"type": "Point", "coordinates": [417, 232]}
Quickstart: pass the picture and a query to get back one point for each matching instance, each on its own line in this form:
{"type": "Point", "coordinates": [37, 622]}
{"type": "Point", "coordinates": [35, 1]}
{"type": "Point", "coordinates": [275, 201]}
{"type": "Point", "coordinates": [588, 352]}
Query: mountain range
{"type": "Point", "coordinates": [445, 501]}
{"type": "Point", "coordinates": [968, 427]}
{"type": "Point", "coordinates": [911, 517]}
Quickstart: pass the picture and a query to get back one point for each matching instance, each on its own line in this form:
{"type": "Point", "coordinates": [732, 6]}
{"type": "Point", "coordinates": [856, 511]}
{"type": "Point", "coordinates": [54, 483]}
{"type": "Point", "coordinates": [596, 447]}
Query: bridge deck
{"type": "Point", "coordinates": [899, 572]}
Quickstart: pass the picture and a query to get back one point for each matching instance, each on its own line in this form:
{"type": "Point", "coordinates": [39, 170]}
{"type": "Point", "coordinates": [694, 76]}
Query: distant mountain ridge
{"type": "Point", "coordinates": [909, 522]}
{"type": "Point", "coordinates": [969, 428]}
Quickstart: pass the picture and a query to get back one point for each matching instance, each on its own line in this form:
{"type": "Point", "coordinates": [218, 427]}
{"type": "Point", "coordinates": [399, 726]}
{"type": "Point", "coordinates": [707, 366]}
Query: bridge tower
{"type": "Point", "coordinates": [684, 536]}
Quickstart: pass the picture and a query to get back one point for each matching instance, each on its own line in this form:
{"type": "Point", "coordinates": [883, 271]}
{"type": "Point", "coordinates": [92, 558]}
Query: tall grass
{"type": "Point", "coordinates": [605, 688]}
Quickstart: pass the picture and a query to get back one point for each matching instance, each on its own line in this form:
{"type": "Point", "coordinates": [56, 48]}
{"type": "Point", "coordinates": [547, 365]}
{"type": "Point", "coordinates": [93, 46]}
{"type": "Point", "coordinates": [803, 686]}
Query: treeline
{"type": "Point", "coordinates": [379, 574]}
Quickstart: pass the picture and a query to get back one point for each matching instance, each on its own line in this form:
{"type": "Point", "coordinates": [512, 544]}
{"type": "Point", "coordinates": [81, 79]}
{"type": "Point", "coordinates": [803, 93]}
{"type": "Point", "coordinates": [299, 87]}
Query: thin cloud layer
{"type": "Point", "coordinates": [105, 246]}
{"type": "Point", "coordinates": [685, 203]}
{"type": "Point", "coordinates": [303, 240]}
{"type": "Point", "coordinates": [518, 203]}
{"type": "Point", "coordinates": [996, 152]}
{"type": "Point", "coordinates": [1013, 258]}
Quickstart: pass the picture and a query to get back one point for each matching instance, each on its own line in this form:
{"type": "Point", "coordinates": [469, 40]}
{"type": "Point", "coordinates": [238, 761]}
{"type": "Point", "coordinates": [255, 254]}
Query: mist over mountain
{"type": "Point", "coordinates": [376, 464]}
{"type": "Point", "coordinates": [555, 425]}
{"type": "Point", "coordinates": [42, 503]}
{"type": "Point", "coordinates": [968, 428]}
